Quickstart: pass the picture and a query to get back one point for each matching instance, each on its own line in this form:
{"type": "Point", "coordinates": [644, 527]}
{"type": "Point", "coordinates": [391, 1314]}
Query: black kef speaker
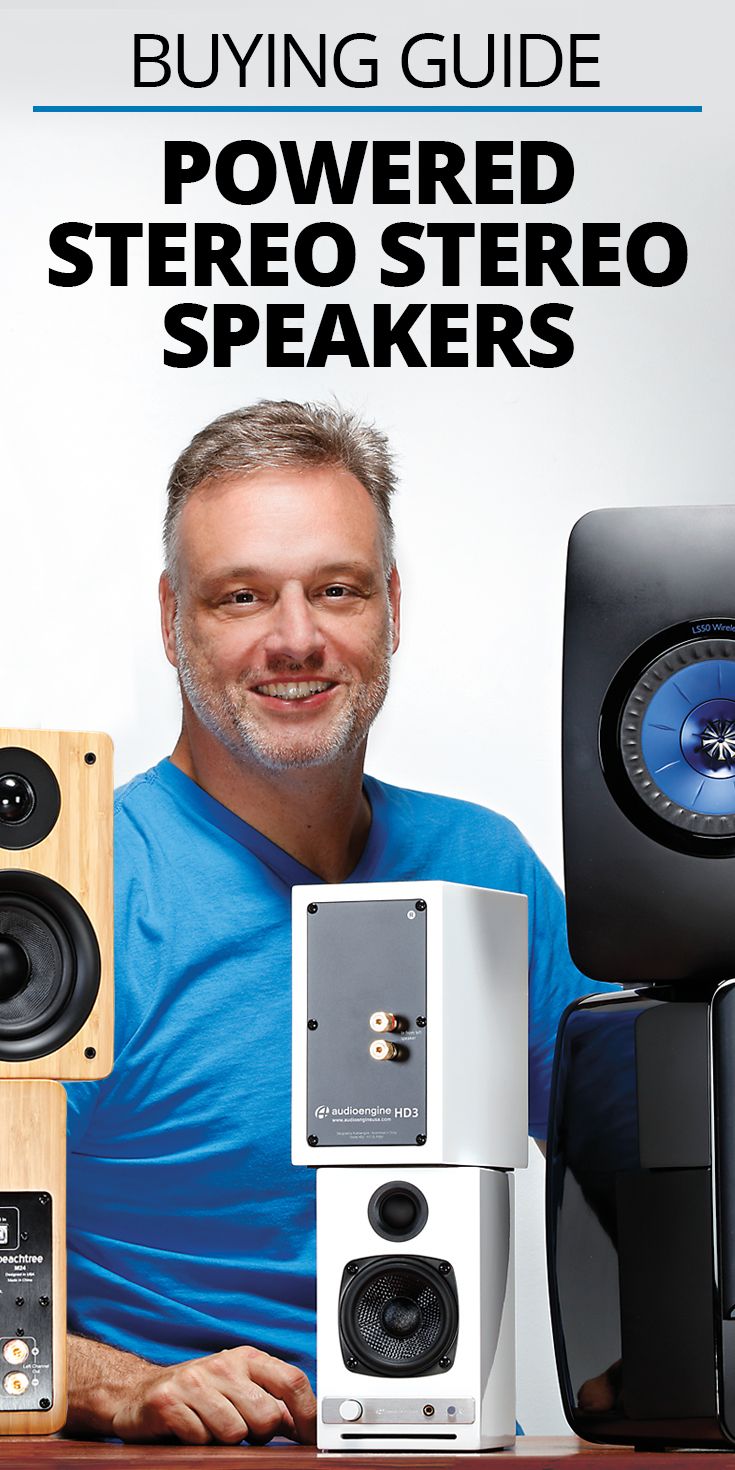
{"type": "Point", "coordinates": [649, 744]}
{"type": "Point", "coordinates": [641, 1147]}
{"type": "Point", "coordinates": [641, 1216]}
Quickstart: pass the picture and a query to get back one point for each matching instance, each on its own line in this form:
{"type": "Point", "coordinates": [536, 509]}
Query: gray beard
{"type": "Point", "coordinates": [225, 714]}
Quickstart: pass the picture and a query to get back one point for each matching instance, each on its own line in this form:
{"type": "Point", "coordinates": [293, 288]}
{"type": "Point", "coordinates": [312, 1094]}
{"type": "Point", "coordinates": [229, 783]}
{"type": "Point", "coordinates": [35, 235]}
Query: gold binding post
{"type": "Point", "coordinates": [384, 1051]}
{"type": "Point", "coordinates": [383, 1021]}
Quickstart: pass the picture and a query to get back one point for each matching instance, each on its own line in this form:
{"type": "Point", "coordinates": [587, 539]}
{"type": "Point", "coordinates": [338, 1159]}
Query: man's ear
{"type": "Point", "coordinates": [167, 600]}
{"type": "Point", "coordinates": [394, 598]}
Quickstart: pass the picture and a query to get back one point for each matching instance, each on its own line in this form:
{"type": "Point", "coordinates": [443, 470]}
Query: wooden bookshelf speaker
{"type": "Point", "coordinates": [32, 1258]}
{"type": "Point", "coordinates": [56, 954]}
{"type": "Point", "coordinates": [56, 1022]}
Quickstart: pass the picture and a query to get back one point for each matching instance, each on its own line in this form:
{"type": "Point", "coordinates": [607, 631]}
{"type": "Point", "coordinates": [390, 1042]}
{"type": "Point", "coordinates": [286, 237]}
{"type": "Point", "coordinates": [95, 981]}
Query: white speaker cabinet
{"type": "Point", "coordinates": [415, 1310]}
{"type": "Point", "coordinates": [410, 1025]}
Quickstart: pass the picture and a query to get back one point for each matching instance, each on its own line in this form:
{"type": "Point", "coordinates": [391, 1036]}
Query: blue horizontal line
{"type": "Point", "coordinates": [324, 107]}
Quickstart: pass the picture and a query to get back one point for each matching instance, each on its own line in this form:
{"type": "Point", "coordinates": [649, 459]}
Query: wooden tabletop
{"type": "Point", "coordinates": [534, 1452]}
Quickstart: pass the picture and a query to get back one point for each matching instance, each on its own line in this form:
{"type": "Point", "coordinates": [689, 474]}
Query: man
{"type": "Point", "coordinates": [191, 1237]}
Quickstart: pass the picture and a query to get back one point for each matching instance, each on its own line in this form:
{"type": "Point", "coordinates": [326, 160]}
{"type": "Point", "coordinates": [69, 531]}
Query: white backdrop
{"type": "Point", "coordinates": [495, 464]}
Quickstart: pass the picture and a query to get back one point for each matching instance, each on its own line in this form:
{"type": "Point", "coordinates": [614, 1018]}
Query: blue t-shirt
{"type": "Point", "coordinates": [189, 1229]}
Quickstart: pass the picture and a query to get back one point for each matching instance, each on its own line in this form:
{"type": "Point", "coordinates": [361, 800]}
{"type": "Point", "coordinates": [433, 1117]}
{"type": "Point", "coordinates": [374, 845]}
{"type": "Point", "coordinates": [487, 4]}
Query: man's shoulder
{"type": "Point", "coordinates": [138, 790]}
{"type": "Point", "coordinates": [448, 810]}
{"type": "Point", "coordinates": [450, 824]}
{"type": "Point", "coordinates": [146, 821]}
{"type": "Point", "coordinates": [137, 802]}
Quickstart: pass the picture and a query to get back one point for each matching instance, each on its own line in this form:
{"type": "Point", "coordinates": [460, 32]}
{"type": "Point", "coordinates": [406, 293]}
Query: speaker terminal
{"type": "Point", "coordinates": [386, 1051]}
{"type": "Point", "coordinates": [16, 1383]}
{"type": "Point", "coordinates": [384, 1021]}
{"type": "Point", "coordinates": [16, 1351]}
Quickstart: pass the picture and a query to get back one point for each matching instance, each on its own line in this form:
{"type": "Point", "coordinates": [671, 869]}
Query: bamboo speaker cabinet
{"type": "Point", "coordinates": [56, 953]}
{"type": "Point", "coordinates": [32, 1258]}
{"type": "Point", "coordinates": [56, 1021]}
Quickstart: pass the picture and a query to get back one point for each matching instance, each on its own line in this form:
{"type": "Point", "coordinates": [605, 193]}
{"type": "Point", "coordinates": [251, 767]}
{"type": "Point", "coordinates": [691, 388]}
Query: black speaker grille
{"type": "Point", "coordinates": [398, 1316]}
{"type": "Point", "coordinates": [372, 1317]}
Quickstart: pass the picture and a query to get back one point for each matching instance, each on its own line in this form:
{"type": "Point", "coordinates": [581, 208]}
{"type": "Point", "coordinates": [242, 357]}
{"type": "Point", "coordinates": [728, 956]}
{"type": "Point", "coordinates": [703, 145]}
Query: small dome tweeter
{"type": "Point", "coordinates": [398, 1211]}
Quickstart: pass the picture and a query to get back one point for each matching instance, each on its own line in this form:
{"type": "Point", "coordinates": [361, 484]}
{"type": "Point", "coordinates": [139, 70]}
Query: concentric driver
{"type": "Point", "coordinates": [668, 730]}
{"type": "Point", "coordinates": [398, 1315]}
{"type": "Point", "coordinates": [49, 966]}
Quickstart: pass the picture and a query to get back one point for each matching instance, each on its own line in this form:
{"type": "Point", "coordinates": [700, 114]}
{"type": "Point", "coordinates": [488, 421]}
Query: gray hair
{"type": "Point", "coordinates": [272, 435]}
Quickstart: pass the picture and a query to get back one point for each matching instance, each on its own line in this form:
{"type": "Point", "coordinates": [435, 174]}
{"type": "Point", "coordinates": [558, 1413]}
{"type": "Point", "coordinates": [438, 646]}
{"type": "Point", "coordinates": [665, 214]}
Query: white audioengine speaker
{"type": "Point", "coordinates": [415, 1309]}
{"type": "Point", "coordinates": [410, 1025]}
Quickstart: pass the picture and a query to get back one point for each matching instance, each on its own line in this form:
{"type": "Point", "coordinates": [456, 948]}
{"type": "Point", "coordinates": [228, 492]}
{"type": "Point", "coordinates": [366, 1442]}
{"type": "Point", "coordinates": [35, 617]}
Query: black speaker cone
{"type": "Point", "coordinates": [398, 1316]}
{"type": "Point", "coordinates": [49, 966]}
{"type": "Point", "coordinates": [398, 1211]}
{"type": "Point", "coordinates": [15, 967]}
{"type": "Point", "coordinates": [401, 1317]}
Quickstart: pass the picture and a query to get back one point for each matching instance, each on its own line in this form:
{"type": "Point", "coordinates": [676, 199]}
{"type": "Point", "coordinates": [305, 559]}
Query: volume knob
{"type": "Point", "coordinates": [350, 1410]}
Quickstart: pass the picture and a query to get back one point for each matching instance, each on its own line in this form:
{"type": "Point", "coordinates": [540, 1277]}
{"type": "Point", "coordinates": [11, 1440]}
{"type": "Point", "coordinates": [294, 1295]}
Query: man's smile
{"type": "Point", "coordinates": [295, 690]}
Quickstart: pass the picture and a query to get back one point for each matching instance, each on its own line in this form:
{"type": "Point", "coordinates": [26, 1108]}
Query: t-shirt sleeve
{"type": "Point", "coordinates": [86, 1102]}
{"type": "Point", "coordinates": [81, 1098]}
{"type": "Point", "coordinates": [553, 983]}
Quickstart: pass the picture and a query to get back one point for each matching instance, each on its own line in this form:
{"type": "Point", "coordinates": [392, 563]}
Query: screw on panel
{"type": "Point", "coordinates": [312, 1140]}
{"type": "Point", "coordinates": [421, 1021]}
{"type": "Point", "coordinates": [420, 1138]}
{"type": "Point", "coordinates": [90, 758]}
{"type": "Point", "coordinates": [444, 1268]}
{"type": "Point", "coordinates": [312, 908]}
{"type": "Point", "coordinates": [44, 1403]}
{"type": "Point", "coordinates": [352, 1363]}
{"type": "Point", "coordinates": [24, 1234]}
{"type": "Point", "coordinates": [20, 1332]}
{"type": "Point", "coordinates": [420, 905]}
{"type": "Point", "coordinates": [312, 1024]}
{"type": "Point", "coordinates": [43, 1301]}
{"type": "Point", "coordinates": [44, 1199]}
{"type": "Point", "coordinates": [445, 1363]}
{"type": "Point", "coordinates": [20, 1301]}
{"type": "Point", "coordinates": [352, 1268]}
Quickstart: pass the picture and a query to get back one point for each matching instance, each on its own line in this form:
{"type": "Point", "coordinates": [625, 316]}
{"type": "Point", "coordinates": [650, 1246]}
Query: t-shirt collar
{"type": "Point", "coordinates": [186, 792]}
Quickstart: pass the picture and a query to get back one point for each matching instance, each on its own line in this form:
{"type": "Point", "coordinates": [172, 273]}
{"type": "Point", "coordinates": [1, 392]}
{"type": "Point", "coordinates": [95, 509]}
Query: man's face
{"type": "Point", "coordinates": [283, 627]}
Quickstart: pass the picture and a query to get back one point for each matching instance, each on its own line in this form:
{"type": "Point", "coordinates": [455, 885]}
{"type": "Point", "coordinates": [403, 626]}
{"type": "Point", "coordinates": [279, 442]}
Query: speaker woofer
{"type": "Point", "coordinates": [49, 966]}
{"type": "Point", "coordinates": [398, 1316]}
